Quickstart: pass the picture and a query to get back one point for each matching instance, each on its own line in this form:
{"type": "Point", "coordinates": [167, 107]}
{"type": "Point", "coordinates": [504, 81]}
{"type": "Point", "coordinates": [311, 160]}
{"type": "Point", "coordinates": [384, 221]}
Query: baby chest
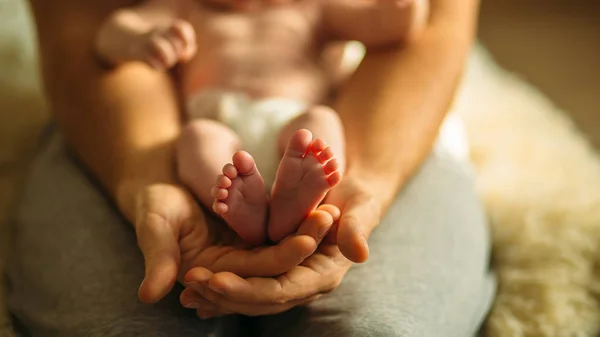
{"type": "Point", "coordinates": [291, 26]}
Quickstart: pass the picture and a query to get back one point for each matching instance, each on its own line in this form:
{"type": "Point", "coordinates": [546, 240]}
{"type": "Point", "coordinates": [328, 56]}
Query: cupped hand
{"type": "Point", "coordinates": [362, 205]}
{"type": "Point", "coordinates": [175, 236]}
{"type": "Point", "coordinates": [220, 293]}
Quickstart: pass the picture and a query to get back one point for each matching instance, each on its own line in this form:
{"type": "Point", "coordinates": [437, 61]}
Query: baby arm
{"type": "Point", "coordinates": [151, 32]}
{"type": "Point", "coordinates": [375, 22]}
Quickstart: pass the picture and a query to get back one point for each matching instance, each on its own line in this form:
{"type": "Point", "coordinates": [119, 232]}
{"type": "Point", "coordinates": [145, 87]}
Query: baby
{"type": "Point", "coordinates": [252, 72]}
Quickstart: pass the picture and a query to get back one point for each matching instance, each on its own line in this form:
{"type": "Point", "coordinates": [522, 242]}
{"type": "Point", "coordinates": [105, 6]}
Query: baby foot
{"type": "Point", "coordinates": [308, 170]}
{"type": "Point", "coordinates": [241, 198]}
{"type": "Point", "coordinates": [164, 48]}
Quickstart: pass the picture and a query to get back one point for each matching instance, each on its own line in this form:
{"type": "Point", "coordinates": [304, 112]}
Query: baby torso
{"type": "Point", "coordinates": [273, 52]}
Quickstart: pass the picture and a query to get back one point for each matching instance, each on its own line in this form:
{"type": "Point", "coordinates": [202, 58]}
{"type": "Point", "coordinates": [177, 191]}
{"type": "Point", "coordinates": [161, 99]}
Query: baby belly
{"type": "Point", "coordinates": [299, 82]}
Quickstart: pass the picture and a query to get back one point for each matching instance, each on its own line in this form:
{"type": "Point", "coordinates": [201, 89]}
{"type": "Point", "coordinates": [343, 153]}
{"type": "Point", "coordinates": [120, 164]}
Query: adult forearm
{"type": "Point", "coordinates": [122, 127]}
{"type": "Point", "coordinates": [121, 123]}
{"type": "Point", "coordinates": [393, 106]}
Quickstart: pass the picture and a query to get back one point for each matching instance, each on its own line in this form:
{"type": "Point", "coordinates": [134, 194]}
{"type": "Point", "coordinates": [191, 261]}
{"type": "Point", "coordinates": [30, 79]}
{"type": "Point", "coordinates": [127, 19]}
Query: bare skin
{"type": "Point", "coordinates": [126, 141]}
{"type": "Point", "coordinates": [264, 50]}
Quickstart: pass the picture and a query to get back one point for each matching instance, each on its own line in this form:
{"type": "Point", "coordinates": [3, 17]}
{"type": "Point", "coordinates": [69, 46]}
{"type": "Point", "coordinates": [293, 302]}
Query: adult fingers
{"type": "Point", "coordinates": [319, 274]}
{"type": "Point", "coordinates": [361, 215]}
{"type": "Point", "coordinates": [268, 260]}
{"type": "Point", "coordinates": [319, 222]}
{"type": "Point", "coordinates": [159, 245]}
{"type": "Point", "coordinates": [279, 290]}
{"type": "Point", "coordinates": [224, 305]}
{"type": "Point", "coordinates": [275, 260]}
{"type": "Point", "coordinates": [191, 299]}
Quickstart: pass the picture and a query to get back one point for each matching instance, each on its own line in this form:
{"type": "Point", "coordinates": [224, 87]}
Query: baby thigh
{"type": "Point", "coordinates": [204, 147]}
{"type": "Point", "coordinates": [324, 123]}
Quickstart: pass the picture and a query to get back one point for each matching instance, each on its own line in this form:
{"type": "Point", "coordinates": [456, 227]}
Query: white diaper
{"type": "Point", "coordinates": [256, 122]}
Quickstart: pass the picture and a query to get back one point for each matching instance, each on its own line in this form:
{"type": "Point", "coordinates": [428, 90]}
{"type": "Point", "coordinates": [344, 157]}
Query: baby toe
{"type": "Point", "coordinates": [331, 166]}
{"type": "Point", "coordinates": [317, 146]}
{"type": "Point", "coordinates": [230, 171]}
{"type": "Point", "coordinates": [243, 162]}
{"type": "Point", "coordinates": [223, 181]}
{"type": "Point", "coordinates": [334, 178]}
{"type": "Point", "coordinates": [221, 194]}
{"type": "Point", "coordinates": [220, 207]}
{"type": "Point", "coordinates": [325, 155]}
{"type": "Point", "coordinates": [299, 143]}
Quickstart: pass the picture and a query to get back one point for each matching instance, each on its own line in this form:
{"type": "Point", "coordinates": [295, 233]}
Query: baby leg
{"type": "Point", "coordinates": [204, 152]}
{"type": "Point", "coordinates": [325, 124]}
{"type": "Point", "coordinates": [308, 168]}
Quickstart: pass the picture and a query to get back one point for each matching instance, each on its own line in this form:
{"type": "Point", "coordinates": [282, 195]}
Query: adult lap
{"type": "Point", "coordinates": [76, 266]}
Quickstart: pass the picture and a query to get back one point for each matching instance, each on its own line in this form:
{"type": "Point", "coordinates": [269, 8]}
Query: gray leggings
{"type": "Point", "coordinates": [75, 266]}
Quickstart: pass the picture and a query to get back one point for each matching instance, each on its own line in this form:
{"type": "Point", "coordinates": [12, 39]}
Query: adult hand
{"type": "Point", "coordinates": [219, 293]}
{"type": "Point", "coordinates": [222, 293]}
{"type": "Point", "coordinates": [362, 205]}
{"type": "Point", "coordinates": [175, 236]}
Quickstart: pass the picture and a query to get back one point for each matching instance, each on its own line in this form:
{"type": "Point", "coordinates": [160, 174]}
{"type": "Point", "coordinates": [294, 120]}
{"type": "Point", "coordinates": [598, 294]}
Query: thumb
{"type": "Point", "coordinates": [358, 220]}
{"type": "Point", "coordinates": [159, 245]}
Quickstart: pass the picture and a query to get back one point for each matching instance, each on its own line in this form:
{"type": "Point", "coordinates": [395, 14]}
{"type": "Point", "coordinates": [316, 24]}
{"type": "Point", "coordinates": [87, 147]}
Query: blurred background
{"type": "Point", "coordinates": [552, 44]}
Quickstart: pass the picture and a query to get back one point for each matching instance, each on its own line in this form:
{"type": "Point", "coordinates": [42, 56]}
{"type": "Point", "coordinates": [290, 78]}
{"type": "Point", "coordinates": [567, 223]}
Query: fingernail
{"type": "Point", "coordinates": [365, 245]}
{"type": "Point", "coordinates": [322, 232]}
{"type": "Point", "coordinates": [192, 305]}
{"type": "Point", "coordinates": [215, 289]}
{"type": "Point", "coordinates": [364, 242]}
{"type": "Point", "coordinates": [199, 287]}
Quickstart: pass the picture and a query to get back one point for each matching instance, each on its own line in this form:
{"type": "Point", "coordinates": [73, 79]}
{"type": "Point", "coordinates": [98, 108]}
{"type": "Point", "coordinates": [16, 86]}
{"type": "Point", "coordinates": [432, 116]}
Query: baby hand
{"type": "Point", "coordinates": [164, 48]}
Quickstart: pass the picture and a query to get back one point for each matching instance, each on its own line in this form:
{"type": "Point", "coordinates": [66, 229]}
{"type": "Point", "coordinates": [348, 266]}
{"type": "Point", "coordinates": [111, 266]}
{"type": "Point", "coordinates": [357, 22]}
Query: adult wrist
{"type": "Point", "coordinates": [382, 185]}
{"type": "Point", "coordinates": [129, 191]}
{"type": "Point", "coordinates": [138, 173]}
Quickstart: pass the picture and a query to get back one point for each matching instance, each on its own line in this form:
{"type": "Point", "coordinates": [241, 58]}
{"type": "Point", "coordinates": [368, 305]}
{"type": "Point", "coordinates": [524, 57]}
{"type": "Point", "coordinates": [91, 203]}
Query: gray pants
{"type": "Point", "coordinates": [75, 266]}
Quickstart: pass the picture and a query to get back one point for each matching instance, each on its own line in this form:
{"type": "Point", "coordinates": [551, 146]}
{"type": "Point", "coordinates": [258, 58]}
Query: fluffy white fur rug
{"type": "Point", "coordinates": [540, 180]}
{"type": "Point", "coordinates": [538, 176]}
